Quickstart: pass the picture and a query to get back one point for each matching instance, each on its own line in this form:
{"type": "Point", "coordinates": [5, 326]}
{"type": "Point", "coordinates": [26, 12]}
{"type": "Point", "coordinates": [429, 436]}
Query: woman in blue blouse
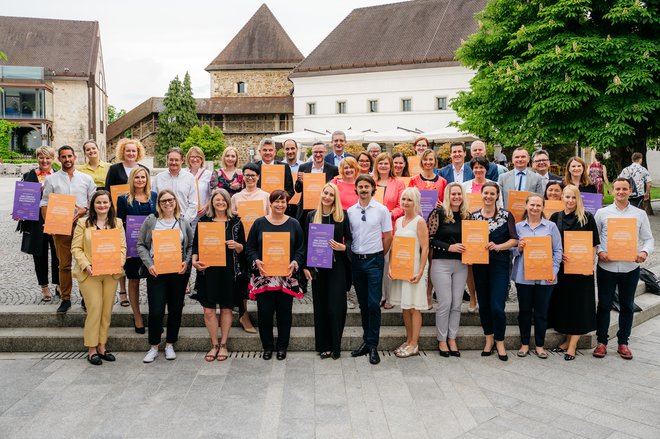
{"type": "Point", "coordinates": [534, 295]}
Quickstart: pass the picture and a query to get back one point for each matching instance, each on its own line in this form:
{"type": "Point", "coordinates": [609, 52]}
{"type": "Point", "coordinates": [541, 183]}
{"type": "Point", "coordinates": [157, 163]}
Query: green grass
{"type": "Point", "coordinates": [655, 194]}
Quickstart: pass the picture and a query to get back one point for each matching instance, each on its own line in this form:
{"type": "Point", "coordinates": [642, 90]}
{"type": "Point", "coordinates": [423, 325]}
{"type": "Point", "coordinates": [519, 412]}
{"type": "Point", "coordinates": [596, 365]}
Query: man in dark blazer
{"type": "Point", "coordinates": [318, 164]}
{"type": "Point", "coordinates": [541, 164]}
{"type": "Point", "coordinates": [478, 149]}
{"type": "Point", "coordinates": [520, 178]}
{"type": "Point", "coordinates": [338, 154]}
{"type": "Point", "coordinates": [267, 152]}
{"type": "Point", "coordinates": [457, 171]}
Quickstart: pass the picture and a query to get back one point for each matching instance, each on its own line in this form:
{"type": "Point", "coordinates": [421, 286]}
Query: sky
{"type": "Point", "coordinates": [146, 43]}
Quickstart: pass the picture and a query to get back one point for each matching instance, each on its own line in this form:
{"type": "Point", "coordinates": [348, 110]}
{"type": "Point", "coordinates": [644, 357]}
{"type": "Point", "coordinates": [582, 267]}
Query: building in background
{"type": "Point", "coordinates": [53, 83]}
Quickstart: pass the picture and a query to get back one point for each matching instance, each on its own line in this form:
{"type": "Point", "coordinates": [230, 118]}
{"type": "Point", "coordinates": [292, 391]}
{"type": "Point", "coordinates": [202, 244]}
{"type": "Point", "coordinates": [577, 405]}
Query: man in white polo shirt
{"type": "Point", "coordinates": [181, 182]}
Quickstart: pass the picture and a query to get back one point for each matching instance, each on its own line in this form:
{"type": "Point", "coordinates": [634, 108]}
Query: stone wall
{"type": "Point", "coordinates": [258, 83]}
{"type": "Point", "coordinates": [70, 115]}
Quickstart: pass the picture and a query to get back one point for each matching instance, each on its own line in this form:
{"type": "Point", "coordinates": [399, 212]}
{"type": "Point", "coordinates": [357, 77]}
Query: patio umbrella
{"type": "Point", "coordinates": [449, 134]}
{"type": "Point", "coordinates": [304, 137]}
{"type": "Point", "coordinates": [351, 136]}
{"type": "Point", "coordinates": [397, 135]}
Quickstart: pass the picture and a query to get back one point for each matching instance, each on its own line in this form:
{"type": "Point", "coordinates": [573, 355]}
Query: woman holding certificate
{"type": "Point", "coordinates": [577, 174]}
{"type": "Point", "coordinates": [138, 204]}
{"type": "Point", "coordinates": [326, 266]}
{"type": "Point", "coordinates": [165, 247]}
{"type": "Point", "coordinates": [345, 181]}
{"type": "Point", "coordinates": [573, 303]}
{"type": "Point", "coordinates": [538, 257]}
{"type": "Point", "coordinates": [221, 281]}
{"type": "Point", "coordinates": [428, 179]}
{"type": "Point", "coordinates": [99, 249]}
{"type": "Point", "coordinates": [409, 288]}
{"type": "Point", "coordinates": [275, 251]}
{"type": "Point", "coordinates": [492, 280]}
{"type": "Point", "coordinates": [447, 269]}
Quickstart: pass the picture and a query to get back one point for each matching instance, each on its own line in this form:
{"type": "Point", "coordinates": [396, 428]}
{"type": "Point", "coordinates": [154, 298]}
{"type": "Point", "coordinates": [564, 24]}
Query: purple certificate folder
{"type": "Point", "coordinates": [592, 202]}
{"type": "Point", "coordinates": [133, 225]}
{"type": "Point", "coordinates": [428, 200]}
{"type": "Point", "coordinates": [27, 197]}
{"type": "Point", "coordinates": [319, 252]}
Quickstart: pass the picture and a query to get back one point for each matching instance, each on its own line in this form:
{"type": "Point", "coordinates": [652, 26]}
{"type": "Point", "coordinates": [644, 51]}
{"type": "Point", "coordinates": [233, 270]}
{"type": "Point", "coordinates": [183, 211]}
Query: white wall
{"type": "Point", "coordinates": [421, 85]}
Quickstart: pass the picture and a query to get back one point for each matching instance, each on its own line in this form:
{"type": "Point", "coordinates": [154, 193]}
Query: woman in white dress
{"type": "Point", "coordinates": [411, 293]}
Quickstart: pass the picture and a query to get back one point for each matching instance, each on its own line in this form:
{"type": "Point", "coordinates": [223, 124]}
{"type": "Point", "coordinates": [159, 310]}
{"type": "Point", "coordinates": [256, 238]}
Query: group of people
{"type": "Point", "coordinates": [369, 200]}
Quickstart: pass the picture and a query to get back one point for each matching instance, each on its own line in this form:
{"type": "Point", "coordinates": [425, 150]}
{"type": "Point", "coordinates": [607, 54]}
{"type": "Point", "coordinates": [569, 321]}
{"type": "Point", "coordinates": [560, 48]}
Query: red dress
{"type": "Point", "coordinates": [392, 198]}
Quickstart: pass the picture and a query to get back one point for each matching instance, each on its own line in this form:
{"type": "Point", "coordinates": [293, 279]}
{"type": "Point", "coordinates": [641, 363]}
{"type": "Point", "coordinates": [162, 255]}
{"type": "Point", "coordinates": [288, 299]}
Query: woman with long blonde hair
{"type": "Point", "coordinates": [329, 285]}
{"type": "Point", "coordinates": [229, 177]}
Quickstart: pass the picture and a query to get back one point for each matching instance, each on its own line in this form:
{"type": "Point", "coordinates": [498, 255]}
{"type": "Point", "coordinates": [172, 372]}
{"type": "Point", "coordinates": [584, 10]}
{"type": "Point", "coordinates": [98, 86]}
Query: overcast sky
{"type": "Point", "coordinates": [146, 42]}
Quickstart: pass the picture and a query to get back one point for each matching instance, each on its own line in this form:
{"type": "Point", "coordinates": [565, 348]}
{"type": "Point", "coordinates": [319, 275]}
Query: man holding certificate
{"type": "Point", "coordinates": [267, 152]}
{"type": "Point", "coordinates": [371, 228]}
{"type": "Point", "coordinates": [625, 242]}
{"type": "Point", "coordinates": [67, 181]}
{"type": "Point", "coordinates": [316, 166]}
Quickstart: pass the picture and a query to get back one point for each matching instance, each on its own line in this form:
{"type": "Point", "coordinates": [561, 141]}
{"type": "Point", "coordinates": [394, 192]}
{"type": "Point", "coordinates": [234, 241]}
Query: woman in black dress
{"type": "Point", "coordinates": [274, 294]}
{"type": "Point", "coordinates": [329, 285]}
{"type": "Point", "coordinates": [573, 305]}
{"type": "Point", "coordinates": [220, 286]}
{"type": "Point", "coordinates": [139, 201]}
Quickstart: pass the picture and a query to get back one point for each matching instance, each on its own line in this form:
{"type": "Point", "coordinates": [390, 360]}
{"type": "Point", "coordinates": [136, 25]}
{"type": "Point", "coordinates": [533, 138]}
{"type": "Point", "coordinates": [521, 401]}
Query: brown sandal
{"type": "Point", "coordinates": [45, 294]}
{"type": "Point", "coordinates": [211, 357]}
{"type": "Point", "coordinates": [222, 357]}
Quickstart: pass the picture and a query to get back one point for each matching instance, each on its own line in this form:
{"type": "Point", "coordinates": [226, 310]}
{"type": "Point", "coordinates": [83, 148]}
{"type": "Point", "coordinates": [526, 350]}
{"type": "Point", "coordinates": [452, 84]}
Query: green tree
{"type": "Point", "coordinates": [210, 140]}
{"type": "Point", "coordinates": [177, 119]}
{"type": "Point", "coordinates": [564, 71]}
{"type": "Point", "coordinates": [6, 129]}
{"type": "Point", "coordinates": [114, 114]}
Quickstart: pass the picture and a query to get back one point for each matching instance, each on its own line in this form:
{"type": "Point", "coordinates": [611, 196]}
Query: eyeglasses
{"type": "Point", "coordinates": [246, 176]}
{"type": "Point", "coordinates": [364, 161]}
{"type": "Point", "coordinates": [364, 216]}
{"type": "Point", "coordinates": [541, 161]}
{"type": "Point", "coordinates": [167, 201]}
{"type": "Point", "coordinates": [194, 157]}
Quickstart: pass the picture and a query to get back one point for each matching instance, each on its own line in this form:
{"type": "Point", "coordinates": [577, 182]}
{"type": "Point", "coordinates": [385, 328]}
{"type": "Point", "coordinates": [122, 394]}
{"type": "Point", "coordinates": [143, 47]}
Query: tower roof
{"type": "Point", "coordinates": [261, 43]}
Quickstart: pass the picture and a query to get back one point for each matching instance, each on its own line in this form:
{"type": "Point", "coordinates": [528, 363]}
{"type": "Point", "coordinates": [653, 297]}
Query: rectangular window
{"type": "Point", "coordinates": [373, 106]}
{"type": "Point", "coordinates": [311, 108]}
{"type": "Point", "coordinates": [406, 104]}
{"type": "Point", "coordinates": [341, 107]}
{"type": "Point", "coordinates": [240, 87]}
{"type": "Point", "coordinates": [441, 103]}
{"type": "Point", "coordinates": [23, 103]}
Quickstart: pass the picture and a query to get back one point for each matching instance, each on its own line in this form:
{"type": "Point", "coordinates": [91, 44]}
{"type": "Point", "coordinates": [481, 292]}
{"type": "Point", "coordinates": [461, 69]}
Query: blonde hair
{"type": "Point", "coordinates": [431, 152]}
{"type": "Point", "coordinates": [580, 213]}
{"type": "Point", "coordinates": [337, 212]}
{"type": "Point", "coordinates": [446, 203]}
{"type": "Point", "coordinates": [121, 149]}
{"type": "Point", "coordinates": [131, 184]}
{"type": "Point", "coordinates": [224, 156]}
{"type": "Point", "coordinates": [198, 150]}
{"type": "Point", "coordinates": [529, 197]}
{"type": "Point", "coordinates": [44, 150]}
{"type": "Point", "coordinates": [379, 158]}
{"type": "Point", "coordinates": [350, 161]}
{"type": "Point", "coordinates": [415, 197]}
{"type": "Point", "coordinates": [584, 178]}
{"type": "Point", "coordinates": [177, 209]}
{"type": "Point", "coordinates": [210, 211]}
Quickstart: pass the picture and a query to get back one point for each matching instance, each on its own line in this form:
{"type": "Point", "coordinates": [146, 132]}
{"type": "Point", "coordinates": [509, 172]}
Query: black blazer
{"type": "Point", "coordinates": [330, 171]}
{"type": "Point", "coordinates": [330, 157]}
{"type": "Point", "coordinates": [33, 231]}
{"type": "Point", "coordinates": [554, 177]}
{"type": "Point", "coordinates": [288, 180]}
{"type": "Point", "coordinates": [117, 175]}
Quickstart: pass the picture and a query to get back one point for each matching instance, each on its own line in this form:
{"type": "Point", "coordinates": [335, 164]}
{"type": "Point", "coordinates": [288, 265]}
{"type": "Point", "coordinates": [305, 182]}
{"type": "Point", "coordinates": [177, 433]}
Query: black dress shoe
{"type": "Point", "coordinates": [454, 353]}
{"type": "Point", "coordinates": [336, 356]}
{"type": "Point", "coordinates": [443, 353]}
{"type": "Point", "coordinates": [107, 356]}
{"type": "Point", "coordinates": [325, 355]}
{"type": "Point", "coordinates": [94, 359]}
{"type": "Point", "coordinates": [267, 355]}
{"type": "Point", "coordinates": [64, 307]}
{"type": "Point", "coordinates": [82, 305]}
{"type": "Point", "coordinates": [360, 351]}
{"type": "Point", "coordinates": [281, 355]}
{"type": "Point", "coordinates": [374, 358]}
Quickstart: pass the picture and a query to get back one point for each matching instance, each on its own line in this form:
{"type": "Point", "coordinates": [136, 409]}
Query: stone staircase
{"type": "Point", "coordinates": [36, 328]}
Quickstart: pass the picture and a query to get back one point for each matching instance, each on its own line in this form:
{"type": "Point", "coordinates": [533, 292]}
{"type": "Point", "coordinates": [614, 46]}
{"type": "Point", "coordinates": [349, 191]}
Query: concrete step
{"type": "Point", "coordinates": [59, 339]}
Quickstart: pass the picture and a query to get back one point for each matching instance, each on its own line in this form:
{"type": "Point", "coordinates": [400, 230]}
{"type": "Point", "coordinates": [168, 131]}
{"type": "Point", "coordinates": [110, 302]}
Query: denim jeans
{"type": "Point", "coordinates": [607, 284]}
{"type": "Point", "coordinates": [492, 284]}
{"type": "Point", "coordinates": [533, 300]}
{"type": "Point", "coordinates": [368, 281]}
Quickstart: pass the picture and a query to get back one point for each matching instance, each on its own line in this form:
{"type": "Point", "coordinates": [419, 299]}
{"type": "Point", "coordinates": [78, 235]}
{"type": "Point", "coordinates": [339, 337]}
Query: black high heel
{"type": "Point", "coordinates": [488, 353]}
{"type": "Point", "coordinates": [138, 330]}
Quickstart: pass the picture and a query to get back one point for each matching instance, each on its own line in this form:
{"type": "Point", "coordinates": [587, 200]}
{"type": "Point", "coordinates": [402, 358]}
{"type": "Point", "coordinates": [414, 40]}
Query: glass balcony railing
{"type": "Point", "coordinates": [21, 72]}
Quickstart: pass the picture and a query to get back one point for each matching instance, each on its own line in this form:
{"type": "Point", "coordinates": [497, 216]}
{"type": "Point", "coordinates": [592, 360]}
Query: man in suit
{"type": "Point", "coordinates": [541, 164]}
{"type": "Point", "coordinates": [291, 154]}
{"type": "Point", "coordinates": [267, 152]}
{"type": "Point", "coordinates": [457, 171]}
{"type": "Point", "coordinates": [478, 149]}
{"type": "Point", "coordinates": [338, 154]}
{"type": "Point", "coordinates": [521, 178]}
{"type": "Point", "coordinates": [317, 165]}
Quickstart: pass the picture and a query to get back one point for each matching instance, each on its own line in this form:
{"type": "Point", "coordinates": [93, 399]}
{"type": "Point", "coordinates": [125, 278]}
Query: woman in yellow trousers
{"type": "Point", "coordinates": [97, 290]}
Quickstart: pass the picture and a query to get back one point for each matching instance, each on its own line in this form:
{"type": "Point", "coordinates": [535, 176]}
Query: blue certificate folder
{"type": "Point", "coordinates": [319, 252]}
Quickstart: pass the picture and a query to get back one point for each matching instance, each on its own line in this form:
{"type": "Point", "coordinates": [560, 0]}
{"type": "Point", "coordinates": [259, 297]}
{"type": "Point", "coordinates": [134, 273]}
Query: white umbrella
{"type": "Point", "coordinates": [397, 135]}
{"type": "Point", "coordinates": [303, 137]}
{"type": "Point", "coordinates": [449, 134]}
{"type": "Point", "coordinates": [351, 136]}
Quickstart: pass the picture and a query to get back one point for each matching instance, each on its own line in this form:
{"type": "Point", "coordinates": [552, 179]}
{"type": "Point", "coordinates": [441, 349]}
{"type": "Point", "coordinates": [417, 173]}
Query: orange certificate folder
{"type": "Point", "coordinates": [405, 180]}
{"type": "Point", "coordinates": [622, 239]}
{"type": "Point", "coordinates": [538, 257]}
{"type": "Point", "coordinates": [475, 240]}
{"type": "Point", "coordinates": [552, 206]}
{"type": "Point", "coordinates": [380, 194]}
{"type": "Point", "coordinates": [296, 196]}
{"type": "Point", "coordinates": [312, 187]}
{"type": "Point", "coordinates": [516, 203]}
{"type": "Point", "coordinates": [402, 259]}
{"type": "Point", "coordinates": [167, 250]}
{"type": "Point", "coordinates": [275, 252]}
{"type": "Point", "coordinates": [272, 177]}
{"type": "Point", "coordinates": [106, 252]}
{"type": "Point", "coordinates": [116, 191]}
{"type": "Point", "coordinates": [474, 201]}
{"type": "Point", "coordinates": [579, 249]}
{"type": "Point", "coordinates": [414, 165]}
{"type": "Point", "coordinates": [59, 214]}
{"type": "Point", "coordinates": [249, 211]}
{"type": "Point", "coordinates": [211, 244]}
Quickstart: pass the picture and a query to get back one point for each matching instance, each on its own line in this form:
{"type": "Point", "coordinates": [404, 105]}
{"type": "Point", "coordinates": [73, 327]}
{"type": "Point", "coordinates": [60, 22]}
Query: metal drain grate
{"type": "Point", "coordinates": [391, 353]}
{"type": "Point", "coordinates": [64, 356]}
{"type": "Point", "coordinates": [245, 354]}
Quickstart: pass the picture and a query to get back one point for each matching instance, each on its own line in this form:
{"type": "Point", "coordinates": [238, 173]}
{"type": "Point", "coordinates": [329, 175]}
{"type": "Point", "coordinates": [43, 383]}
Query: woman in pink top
{"type": "Point", "coordinates": [428, 179]}
{"type": "Point", "coordinates": [345, 181]}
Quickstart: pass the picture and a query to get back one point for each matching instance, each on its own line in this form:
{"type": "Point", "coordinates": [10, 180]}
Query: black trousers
{"type": "Point", "coordinates": [41, 262]}
{"type": "Point", "coordinates": [269, 304]}
{"type": "Point", "coordinates": [533, 300]}
{"type": "Point", "coordinates": [165, 290]}
{"type": "Point", "coordinates": [329, 289]}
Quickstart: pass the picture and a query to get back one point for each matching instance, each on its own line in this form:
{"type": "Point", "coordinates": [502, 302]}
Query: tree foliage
{"type": "Point", "coordinates": [210, 140]}
{"type": "Point", "coordinates": [114, 114]}
{"type": "Point", "coordinates": [6, 128]}
{"type": "Point", "coordinates": [178, 117]}
{"type": "Point", "coordinates": [561, 71]}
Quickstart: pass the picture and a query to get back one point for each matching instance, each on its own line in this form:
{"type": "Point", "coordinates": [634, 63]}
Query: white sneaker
{"type": "Point", "coordinates": [169, 352]}
{"type": "Point", "coordinates": [151, 355]}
